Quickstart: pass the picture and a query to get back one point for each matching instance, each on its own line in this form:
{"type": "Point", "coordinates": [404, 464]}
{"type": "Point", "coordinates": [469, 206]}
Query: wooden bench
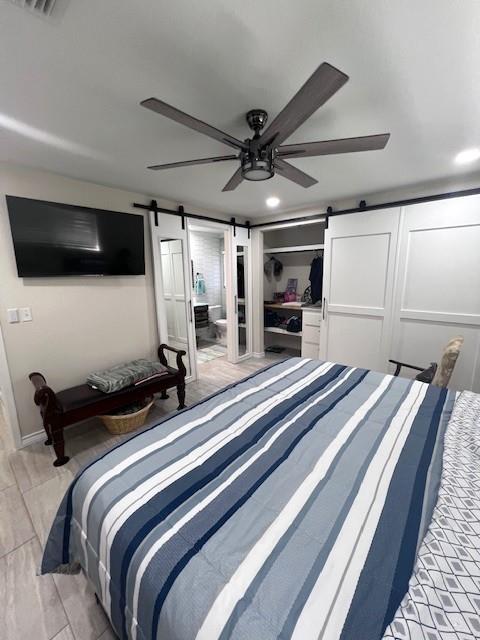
{"type": "Point", "coordinates": [66, 407]}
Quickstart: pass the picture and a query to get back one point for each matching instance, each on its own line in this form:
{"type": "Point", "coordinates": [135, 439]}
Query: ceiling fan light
{"type": "Point", "coordinates": [256, 169]}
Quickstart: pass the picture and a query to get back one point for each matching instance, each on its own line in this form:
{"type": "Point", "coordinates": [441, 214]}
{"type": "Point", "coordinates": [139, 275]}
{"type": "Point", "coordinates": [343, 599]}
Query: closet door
{"type": "Point", "coordinates": [171, 255]}
{"type": "Point", "coordinates": [438, 293]}
{"type": "Point", "coordinates": [173, 287]}
{"type": "Point", "coordinates": [239, 295]}
{"type": "Point", "coordinates": [359, 266]}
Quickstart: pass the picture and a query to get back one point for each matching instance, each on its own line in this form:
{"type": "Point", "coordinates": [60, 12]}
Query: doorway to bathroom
{"type": "Point", "coordinates": [203, 285]}
{"type": "Point", "coordinates": [207, 257]}
{"type": "Point", "coordinates": [221, 285]}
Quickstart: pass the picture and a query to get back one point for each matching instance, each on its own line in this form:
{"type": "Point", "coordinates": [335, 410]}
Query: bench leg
{"type": "Point", "coordinates": [59, 447]}
{"type": "Point", "coordinates": [46, 426]}
{"type": "Point", "coordinates": [181, 396]}
{"type": "Point", "coordinates": [164, 395]}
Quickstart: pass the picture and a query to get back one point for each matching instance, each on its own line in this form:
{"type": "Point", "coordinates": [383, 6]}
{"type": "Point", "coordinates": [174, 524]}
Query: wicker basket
{"type": "Point", "coordinates": [126, 422]}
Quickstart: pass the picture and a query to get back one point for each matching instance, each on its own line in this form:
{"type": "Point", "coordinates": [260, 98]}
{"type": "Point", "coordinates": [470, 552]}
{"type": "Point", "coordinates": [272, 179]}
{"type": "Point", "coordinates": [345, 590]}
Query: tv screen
{"type": "Point", "coordinates": [52, 239]}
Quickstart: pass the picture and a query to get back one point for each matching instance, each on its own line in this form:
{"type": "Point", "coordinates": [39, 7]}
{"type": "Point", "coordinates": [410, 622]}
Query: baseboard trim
{"type": "Point", "coordinates": [259, 354]}
{"type": "Point", "coordinates": [247, 356]}
{"type": "Point", "coordinates": [32, 438]}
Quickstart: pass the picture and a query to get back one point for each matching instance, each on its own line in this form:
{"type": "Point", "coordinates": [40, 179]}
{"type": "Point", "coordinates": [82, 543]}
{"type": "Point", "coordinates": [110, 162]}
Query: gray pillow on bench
{"type": "Point", "coordinates": [125, 375]}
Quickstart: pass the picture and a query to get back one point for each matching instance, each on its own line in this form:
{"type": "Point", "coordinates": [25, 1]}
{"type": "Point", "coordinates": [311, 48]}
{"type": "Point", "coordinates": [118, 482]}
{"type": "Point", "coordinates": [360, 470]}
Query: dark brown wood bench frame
{"type": "Point", "coordinates": [56, 418]}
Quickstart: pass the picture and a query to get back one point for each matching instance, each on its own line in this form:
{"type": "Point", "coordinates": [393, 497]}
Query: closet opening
{"type": "Point", "coordinates": [292, 289]}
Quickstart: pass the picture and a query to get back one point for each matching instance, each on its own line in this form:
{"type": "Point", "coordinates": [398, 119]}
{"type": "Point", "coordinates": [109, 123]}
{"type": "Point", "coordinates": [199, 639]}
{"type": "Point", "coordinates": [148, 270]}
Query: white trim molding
{"type": "Point", "coordinates": [32, 438]}
{"type": "Point", "coordinates": [8, 399]}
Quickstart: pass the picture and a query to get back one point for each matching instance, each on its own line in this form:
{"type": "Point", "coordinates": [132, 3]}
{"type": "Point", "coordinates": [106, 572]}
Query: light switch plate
{"type": "Point", "coordinates": [25, 314]}
{"type": "Point", "coordinates": [12, 315]}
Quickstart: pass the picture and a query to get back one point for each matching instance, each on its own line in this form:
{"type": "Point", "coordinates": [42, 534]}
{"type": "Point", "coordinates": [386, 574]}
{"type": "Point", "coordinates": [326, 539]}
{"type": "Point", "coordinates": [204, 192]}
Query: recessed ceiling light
{"type": "Point", "coordinates": [272, 202]}
{"type": "Point", "coordinates": [467, 155]}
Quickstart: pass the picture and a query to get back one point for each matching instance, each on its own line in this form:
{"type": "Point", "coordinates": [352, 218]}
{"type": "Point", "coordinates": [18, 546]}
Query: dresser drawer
{"type": "Point", "coordinates": [310, 350]}
{"type": "Point", "coordinates": [311, 333]}
{"type": "Point", "coordinates": [311, 318]}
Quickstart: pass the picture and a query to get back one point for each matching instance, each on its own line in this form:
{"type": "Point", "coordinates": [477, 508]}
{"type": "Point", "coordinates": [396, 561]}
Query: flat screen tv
{"type": "Point", "coordinates": [52, 239]}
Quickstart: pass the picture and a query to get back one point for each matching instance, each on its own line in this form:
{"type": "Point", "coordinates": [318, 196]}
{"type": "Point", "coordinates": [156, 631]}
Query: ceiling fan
{"type": "Point", "coordinates": [263, 155]}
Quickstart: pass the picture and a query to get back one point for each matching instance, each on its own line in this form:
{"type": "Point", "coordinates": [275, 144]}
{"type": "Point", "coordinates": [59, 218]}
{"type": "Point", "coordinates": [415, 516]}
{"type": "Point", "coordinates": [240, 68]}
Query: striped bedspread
{"type": "Point", "coordinates": [288, 505]}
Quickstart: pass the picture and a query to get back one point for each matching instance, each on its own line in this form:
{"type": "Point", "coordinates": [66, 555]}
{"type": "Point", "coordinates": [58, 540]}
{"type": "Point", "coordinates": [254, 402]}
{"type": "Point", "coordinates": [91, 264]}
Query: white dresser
{"type": "Point", "coordinates": [311, 319]}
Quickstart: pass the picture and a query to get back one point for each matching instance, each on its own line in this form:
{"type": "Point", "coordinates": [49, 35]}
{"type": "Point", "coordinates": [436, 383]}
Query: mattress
{"type": "Point", "coordinates": [292, 504]}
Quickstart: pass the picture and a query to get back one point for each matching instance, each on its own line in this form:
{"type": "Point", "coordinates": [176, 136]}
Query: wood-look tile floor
{"type": "Point", "coordinates": [63, 607]}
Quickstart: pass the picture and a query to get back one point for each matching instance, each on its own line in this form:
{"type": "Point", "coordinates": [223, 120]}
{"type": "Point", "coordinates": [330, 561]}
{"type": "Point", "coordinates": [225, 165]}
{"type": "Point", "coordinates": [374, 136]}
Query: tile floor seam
{"type": "Point", "coordinates": [67, 618]}
{"type": "Point", "coordinates": [62, 630]}
{"type": "Point", "coordinates": [35, 486]}
{"type": "Point", "coordinates": [25, 506]}
{"type": "Point", "coordinates": [7, 453]}
{"type": "Point", "coordinates": [19, 546]}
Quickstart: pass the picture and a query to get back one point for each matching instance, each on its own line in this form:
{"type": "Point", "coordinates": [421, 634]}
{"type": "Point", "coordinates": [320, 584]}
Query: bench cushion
{"type": "Point", "coordinates": [83, 395]}
{"type": "Point", "coordinates": [124, 375]}
{"type": "Point", "coordinates": [79, 396]}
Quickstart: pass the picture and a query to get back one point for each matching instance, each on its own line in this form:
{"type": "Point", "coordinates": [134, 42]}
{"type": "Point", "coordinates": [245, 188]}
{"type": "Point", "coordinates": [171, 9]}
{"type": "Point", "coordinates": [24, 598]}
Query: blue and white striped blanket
{"type": "Point", "coordinates": [288, 505]}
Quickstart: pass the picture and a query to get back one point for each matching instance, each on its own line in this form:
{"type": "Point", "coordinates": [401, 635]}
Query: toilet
{"type": "Point", "coordinates": [218, 324]}
{"type": "Point", "coordinates": [221, 330]}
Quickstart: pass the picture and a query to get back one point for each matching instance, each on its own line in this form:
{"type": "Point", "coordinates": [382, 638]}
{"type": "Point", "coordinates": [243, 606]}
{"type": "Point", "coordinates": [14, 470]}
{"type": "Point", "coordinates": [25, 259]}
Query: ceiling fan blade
{"type": "Point", "coordinates": [321, 86]}
{"type": "Point", "coordinates": [328, 147]}
{"type": "Point", "coordinates": [188, 163]}
{"type": "Point", "coordinates": [168, 111]}
{"type": "Point", "coordinates": [234, 181]}
{"type": "Point", "coordinates": [287, 170]}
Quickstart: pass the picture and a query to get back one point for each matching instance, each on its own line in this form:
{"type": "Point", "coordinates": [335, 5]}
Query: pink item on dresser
{"type": "Point", "coordinates": [290, 296]}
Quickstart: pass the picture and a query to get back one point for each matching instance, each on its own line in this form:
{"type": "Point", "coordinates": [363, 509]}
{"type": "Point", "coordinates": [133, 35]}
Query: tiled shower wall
{"type": "Point", "coordinates": [206, 253]}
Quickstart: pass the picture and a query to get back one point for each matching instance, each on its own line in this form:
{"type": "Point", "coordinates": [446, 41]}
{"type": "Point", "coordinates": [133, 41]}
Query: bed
{"type": "Point", "coordinates": [297, 503]}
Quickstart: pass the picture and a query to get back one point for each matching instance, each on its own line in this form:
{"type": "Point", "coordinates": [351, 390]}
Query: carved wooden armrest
{"type": "Point", "coordinates": [399, 365]}
{"type": "Point", "coordinates": [180, 353]}
{"type": "Point", "coordinates": [44, 395]}
{"type": "Point", "coordinates": [404, 364]}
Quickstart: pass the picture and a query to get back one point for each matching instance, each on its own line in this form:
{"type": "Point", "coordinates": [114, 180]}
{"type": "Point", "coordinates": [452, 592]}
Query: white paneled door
{"type": "Point", "coordinates": [359, 273]}
{"type": "Point", "coordinates": [173, 288]}
{"type": "Point", "coordinates": [171, 255]}
{"type": "Point", "coordinates": [239, 294]}
{"type": "Point", "coordinates": [438, 291]}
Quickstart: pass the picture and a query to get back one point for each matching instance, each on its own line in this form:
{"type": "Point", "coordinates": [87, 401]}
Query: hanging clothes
{"type": "Point", "coordinates": [316, 279]}
{"type": "Point", "coordinates": [273, 267]}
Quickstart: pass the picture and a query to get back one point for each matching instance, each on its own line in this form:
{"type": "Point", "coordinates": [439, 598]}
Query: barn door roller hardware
{"type": "Point", "coordinates": [363, 206]}
{"type": "Point", "coordinates": [330, 213]}
{"type": "Point", "coordinates": [185, 214]}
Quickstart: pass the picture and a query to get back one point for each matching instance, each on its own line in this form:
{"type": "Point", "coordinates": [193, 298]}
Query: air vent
{"type": "Point", "coordinates": [40, 7]}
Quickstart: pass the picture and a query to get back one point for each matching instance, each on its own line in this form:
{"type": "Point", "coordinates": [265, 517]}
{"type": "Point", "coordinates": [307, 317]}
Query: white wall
{"type": "Point", "coordinates": [206, 254]}
{"type": "Point", "coordinates": [79, 324]}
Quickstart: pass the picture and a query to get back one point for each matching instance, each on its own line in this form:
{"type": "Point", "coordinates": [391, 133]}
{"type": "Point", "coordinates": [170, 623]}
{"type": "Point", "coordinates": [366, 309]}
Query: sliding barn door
{"type": "Point", "coordinates": [359, 269]}
{"type": "Point", "coordinates": [239, 294]}
{"type": "Point", "coordinates": [174, 299]}
{"type": "Point", "coordinates": [438, 292]}
{"type": "Point", "coordinates": [173, 287]}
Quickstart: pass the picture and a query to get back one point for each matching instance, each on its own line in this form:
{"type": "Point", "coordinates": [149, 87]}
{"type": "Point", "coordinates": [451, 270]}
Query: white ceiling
{"type": "Point", "coordinates": [70, 89]}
